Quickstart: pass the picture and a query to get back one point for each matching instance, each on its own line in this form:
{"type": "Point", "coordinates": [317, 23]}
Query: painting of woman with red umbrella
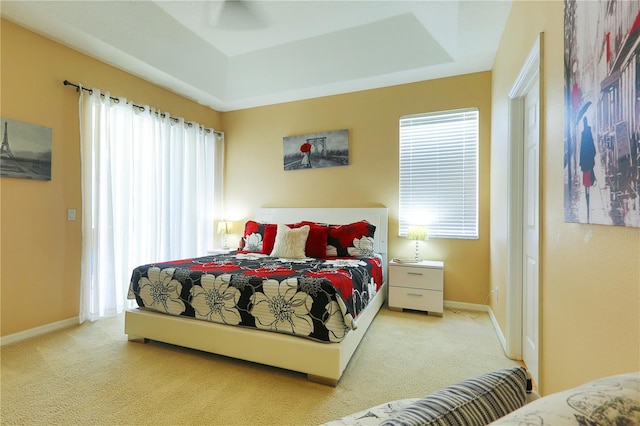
{"type": "Point", "coordinates": [316, 150]}
{"type": "Point", "coordinates": [305, 149]}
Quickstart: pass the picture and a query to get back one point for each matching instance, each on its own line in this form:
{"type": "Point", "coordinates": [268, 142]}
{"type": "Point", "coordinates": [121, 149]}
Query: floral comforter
{"type": "Point", "coordinates": [315, 298]}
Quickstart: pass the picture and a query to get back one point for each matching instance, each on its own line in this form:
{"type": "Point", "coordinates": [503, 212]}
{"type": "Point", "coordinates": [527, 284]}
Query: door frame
{"type": "Point", "coordinates": [530, 71]}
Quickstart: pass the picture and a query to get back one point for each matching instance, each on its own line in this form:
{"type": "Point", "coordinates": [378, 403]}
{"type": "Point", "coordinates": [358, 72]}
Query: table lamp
{"type": "Point", "coordinates": [417, 233]}
{"type": "Point", "coordinates": [224, 228]}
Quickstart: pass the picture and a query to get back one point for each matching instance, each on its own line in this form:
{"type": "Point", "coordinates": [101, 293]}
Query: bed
{"type": "Point", "coordinates": [321, 354]}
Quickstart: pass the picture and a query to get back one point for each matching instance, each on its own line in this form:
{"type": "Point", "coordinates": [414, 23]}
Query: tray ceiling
{"type": "Point", "coordinates": [233, 55]}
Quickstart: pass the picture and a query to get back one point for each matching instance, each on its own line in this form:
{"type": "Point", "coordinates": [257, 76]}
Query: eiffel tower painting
{"type": "Point", "coordinates": [27, 153]}
{"type": "Point", "coordinates": [6, 149]}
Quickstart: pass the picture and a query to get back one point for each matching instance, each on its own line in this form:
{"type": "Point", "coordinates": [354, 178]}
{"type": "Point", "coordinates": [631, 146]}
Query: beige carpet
{"type": "Point", "coordinates": [91, 375]}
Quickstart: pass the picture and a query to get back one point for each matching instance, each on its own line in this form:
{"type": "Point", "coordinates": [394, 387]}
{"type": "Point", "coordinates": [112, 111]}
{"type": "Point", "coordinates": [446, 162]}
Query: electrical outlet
{"type": "Point", "coordinates": [71, 215]}
{"type": "Point", "coordinates": [496, 291]}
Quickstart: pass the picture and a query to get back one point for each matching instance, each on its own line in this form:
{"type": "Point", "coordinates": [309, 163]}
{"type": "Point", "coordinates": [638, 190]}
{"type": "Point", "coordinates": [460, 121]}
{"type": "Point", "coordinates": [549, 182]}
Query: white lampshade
{"type": "Point", "coordinates": [417, 232]}
{"type": "Point", "coordinates": [225, 228]}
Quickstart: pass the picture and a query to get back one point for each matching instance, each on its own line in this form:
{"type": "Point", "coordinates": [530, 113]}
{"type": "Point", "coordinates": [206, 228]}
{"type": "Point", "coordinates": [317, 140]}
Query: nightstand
{"type": "Point", "coordinates": [418, 286]}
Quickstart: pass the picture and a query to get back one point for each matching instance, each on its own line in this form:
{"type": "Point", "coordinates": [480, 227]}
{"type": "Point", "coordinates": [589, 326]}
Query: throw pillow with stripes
{"type": "Point", "coordinates": [477, 401]}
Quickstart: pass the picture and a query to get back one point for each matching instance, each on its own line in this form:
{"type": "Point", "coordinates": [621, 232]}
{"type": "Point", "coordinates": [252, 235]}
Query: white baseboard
{"type": "Point", "coordinates": [483, 308]}
{"type": "Point", "coordinates": [465, 306]}
{"type": "Point", "coordinates": [496, 327]}
{"type": "Point", "coordinates": [38, 331]}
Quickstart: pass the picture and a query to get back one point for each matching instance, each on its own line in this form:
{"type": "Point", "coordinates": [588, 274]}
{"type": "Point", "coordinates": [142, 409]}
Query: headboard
{"type": "Point", "coordinates": [378, 216]}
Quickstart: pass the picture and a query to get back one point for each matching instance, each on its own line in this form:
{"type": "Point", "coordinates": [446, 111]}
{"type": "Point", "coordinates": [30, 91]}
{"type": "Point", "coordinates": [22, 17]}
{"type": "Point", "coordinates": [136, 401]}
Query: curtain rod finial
{"type": "Point", "coordinates": [68, 83]}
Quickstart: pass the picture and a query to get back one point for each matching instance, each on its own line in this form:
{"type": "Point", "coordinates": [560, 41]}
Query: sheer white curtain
{"type": "Point", "coordinates": [151, 190]}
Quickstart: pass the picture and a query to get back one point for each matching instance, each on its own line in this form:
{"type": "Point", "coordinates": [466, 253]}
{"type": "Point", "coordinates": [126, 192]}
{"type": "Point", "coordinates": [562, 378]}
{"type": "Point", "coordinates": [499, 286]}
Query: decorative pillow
{"type": "Point", "coordinates": [316, 241]}
{"type": "Point", "coordinates": [254, 237]}
{"type": "Point", "coordinates": [613, 400]}
{"type": "Point", "coordinates": [354, 240]}
{"type": "Point", "coordinates": [374, 415]}
{"type": "Point", "coordinates": [290, 242]}
{"type": "Point", "coordinates": [269, 239]}
{"type": "Point", "coordinates": [476, 401]}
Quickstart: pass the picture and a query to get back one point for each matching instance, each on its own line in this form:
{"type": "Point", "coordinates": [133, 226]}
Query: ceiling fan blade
{"type": "Point", "coordinates": [214, 12]}
{"type": "Point", "coordinates": [235, 15]}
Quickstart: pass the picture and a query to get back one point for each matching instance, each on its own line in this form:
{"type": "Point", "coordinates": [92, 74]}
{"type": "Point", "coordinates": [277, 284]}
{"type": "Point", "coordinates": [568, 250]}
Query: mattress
{"type": "Point", "coordinates": [315, 298]}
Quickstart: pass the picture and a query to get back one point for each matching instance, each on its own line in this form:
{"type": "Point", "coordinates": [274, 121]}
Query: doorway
{"type": "Point", "coordinates": [523, 233]}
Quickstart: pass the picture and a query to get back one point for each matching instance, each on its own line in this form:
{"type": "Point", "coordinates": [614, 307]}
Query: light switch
{"type": "Point", "coordinates": [71, 215]}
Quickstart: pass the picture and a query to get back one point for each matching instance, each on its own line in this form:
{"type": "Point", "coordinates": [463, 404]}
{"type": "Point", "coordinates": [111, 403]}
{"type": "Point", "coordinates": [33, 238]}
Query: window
{"type": "Point", "coordinates": [439, 173]}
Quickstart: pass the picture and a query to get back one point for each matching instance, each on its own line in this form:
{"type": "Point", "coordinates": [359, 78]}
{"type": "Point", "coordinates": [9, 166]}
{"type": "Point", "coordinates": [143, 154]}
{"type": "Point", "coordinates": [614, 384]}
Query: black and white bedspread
{"type": "Point", "coordinates": [315, 298]}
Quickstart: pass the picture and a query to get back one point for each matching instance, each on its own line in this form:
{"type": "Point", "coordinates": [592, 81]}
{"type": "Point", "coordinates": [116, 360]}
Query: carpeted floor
{"type": "Point", "coordinates": [91, 375]}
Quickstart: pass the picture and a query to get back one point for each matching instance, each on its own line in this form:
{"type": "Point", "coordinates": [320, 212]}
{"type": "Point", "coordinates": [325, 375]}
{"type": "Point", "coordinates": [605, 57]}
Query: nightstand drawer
{"type": "Point", "coordinates": [416, 277]}
{"type": "Point", "coordinates": [411, 298]}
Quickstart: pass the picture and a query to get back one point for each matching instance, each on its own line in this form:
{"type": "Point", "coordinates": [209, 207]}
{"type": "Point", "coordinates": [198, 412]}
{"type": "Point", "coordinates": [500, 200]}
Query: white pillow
{"type": "Point", "coordinates": [290, 243]}
{"type": "Point", "coordinates": [610, 400]}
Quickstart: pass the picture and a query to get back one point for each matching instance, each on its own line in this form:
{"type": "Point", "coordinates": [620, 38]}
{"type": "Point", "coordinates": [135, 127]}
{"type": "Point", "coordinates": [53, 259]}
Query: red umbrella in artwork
{"type": "Point", "coordinates": [305, 147]}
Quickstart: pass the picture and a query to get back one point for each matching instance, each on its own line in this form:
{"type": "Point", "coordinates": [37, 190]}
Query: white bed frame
{"type": "Point", "coordinates": [322, 362]}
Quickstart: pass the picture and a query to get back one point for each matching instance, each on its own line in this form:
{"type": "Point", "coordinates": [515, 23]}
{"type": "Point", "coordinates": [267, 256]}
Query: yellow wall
{"type": "Point", "coordinates": [255, 176]}
{"type": "Point", "coordinates": [590, 274]}
{"type": "Point", "coordinates": [40, 250]}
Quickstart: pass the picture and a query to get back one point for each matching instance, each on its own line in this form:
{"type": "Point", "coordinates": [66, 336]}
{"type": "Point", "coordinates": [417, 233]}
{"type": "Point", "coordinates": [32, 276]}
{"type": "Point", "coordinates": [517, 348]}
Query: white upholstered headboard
{"type": "Point", "coordinates": [378, 216]}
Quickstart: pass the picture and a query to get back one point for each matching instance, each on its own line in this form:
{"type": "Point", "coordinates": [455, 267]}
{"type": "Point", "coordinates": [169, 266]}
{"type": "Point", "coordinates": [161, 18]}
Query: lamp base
{"type": "Point", "coordinates": [417, 258]}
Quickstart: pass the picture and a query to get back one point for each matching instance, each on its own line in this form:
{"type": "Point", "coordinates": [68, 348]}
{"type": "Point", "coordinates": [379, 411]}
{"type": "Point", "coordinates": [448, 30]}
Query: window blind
{"type": "Point", "coordinates": [439, 173]}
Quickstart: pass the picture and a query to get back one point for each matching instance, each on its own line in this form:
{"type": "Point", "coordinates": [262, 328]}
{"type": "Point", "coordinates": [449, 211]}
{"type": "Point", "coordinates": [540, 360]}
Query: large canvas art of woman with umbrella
{"type": "Point", "coordinates": [602, 112]}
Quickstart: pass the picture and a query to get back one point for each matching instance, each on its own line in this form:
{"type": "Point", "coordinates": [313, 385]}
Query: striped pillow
{"type": "Point", "coordinates": [476, 401]}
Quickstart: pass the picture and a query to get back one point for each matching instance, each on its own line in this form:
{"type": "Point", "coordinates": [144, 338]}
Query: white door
{"type": "Point", "coordinates": [530, 237]}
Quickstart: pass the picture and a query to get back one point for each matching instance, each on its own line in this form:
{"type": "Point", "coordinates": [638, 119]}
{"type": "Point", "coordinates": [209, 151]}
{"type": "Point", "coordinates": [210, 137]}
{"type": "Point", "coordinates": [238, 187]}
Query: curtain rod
{"type": "Point", "coordinates": [141, 108]}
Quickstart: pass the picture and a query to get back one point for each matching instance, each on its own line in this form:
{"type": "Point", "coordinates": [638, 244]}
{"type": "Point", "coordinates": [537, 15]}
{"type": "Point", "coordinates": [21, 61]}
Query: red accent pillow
{"type": "Point", "coordinates": [257, 237]}
{"type": "Point", "coordinates": [316, 245]}
{"type": "Point", "coordinates": [269, 238]}
{"type": "Point", "coordinates": [323, 241]}
{"type": "Point", "coordinates": [340, 241]}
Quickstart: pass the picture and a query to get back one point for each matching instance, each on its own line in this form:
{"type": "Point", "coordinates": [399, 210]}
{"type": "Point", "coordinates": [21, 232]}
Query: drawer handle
{"type": "Point", "coordinates": [414, 273]}
{"type": "Point", "coordinates": [414, 294]}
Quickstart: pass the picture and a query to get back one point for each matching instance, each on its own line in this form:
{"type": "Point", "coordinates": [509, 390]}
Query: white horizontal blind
{"type": "Point", "coordinates": [439, 173]}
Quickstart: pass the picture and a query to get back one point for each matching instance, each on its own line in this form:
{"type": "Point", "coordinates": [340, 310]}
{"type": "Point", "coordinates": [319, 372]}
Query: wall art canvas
{"type": "Point", "coordinates": [602, 112]}
{"type": "Point", "coordinates": [316, 150]}
{"type": "Point", "coordinates": [26, 150]}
